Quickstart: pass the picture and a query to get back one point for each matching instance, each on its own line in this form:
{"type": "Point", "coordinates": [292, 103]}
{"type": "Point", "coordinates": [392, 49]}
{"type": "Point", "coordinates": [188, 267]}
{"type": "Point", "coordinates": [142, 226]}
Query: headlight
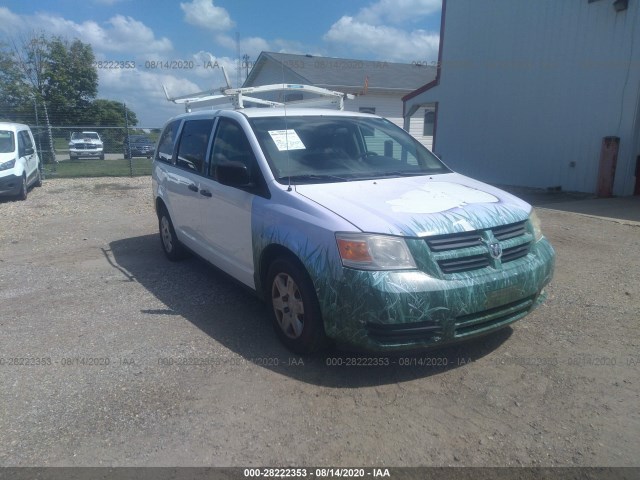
{"type": "Point", "coordinates": [8, 165]}
{"type": "Point", "coordinates": [374, 252]}
{"type": "Point", "coordinates": [535, 223]}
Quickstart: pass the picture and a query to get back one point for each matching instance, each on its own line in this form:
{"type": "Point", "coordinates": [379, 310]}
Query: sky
{"type": "Point", "coordinates": [182, 44]}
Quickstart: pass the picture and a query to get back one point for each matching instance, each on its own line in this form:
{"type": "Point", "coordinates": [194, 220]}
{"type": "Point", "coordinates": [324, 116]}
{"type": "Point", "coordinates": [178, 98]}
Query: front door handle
{"type": "Point", "coordinates": [193, 187]}
{"type": "Point", "coordinates": [205, 193]}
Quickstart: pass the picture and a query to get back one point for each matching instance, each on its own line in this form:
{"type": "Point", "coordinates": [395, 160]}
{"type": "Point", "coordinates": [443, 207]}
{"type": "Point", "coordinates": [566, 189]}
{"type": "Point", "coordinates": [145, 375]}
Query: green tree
{"type": "Point", "coordinates": [72, 80]}
{"type": "Point", "coordinates": [109, 113]}
{"type": "Point", "coordinates": [49, 74]}
{"type": "Point", "coordinates": [14, 94]}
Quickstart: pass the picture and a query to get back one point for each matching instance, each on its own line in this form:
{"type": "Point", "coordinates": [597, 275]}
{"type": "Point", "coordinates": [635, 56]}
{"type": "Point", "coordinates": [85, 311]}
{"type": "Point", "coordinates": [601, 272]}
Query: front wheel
{"type": "Point", "coordinates": [38, 182]}
{"type": "Point", "coordinates": [171, 246]}
{"type": "Point", "coordinates": [22, 194]}
{"type": "Point", "coordinates": [294, 307]}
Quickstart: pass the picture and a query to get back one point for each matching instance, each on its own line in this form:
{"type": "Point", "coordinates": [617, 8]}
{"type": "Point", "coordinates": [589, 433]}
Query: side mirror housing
{"type": "Point", "coordinates": [233, 174]}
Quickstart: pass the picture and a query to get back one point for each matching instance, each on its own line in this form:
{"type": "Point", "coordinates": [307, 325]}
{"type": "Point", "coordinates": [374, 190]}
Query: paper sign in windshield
{"type": "Point", "coordinates": [286, 140]}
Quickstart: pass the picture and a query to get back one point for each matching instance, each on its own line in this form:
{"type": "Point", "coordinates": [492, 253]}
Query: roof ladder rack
{"type": "Point", "coordinates": [239, 96]}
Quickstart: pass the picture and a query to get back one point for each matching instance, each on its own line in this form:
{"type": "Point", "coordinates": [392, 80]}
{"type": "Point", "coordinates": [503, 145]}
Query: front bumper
{"type": "Point", "coordinates": [141, 152]}
{"type": "Point", "coordinates": [10, 184]}
{"type": "Point", "coordinates": [85, 153]}
{"type": "Point", "coordinates": [410, 310]}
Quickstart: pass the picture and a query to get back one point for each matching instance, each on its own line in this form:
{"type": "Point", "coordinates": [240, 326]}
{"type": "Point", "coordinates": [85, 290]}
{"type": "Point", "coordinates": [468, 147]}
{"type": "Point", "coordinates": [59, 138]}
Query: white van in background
{"type": "Point", "coordinates": [19, 162]}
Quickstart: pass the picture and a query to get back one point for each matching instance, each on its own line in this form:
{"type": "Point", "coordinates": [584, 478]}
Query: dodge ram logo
{"type": "Point", "coordinates": [495, 250]}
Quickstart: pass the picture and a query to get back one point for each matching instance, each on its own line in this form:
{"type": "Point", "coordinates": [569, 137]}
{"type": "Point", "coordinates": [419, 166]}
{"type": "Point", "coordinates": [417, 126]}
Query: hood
{"type": "Point", "coordinates": [419, 206]}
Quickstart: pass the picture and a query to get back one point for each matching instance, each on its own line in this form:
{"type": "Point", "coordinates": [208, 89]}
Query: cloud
{"type": "Point", "coordinates": [119, 38]}
{"type": "Point", "coordinates": [252, 46]}
{"type": "Point", "coordinates": [377, 31]}
{"type": "Point", "coordinates": [142, 91]}
{"type": "Point", "coordinates": [211, 68]}
{"type": "Point", "coordinates": [383, 42]}
{"type": "Point", "coordinates": [119, 33]}
{"type": "Point", "coordinates": [398, 11]}
{"type": "Point", "coordinates": [203, 13]}
{"type": "Point", "coordinates": [9, 21]}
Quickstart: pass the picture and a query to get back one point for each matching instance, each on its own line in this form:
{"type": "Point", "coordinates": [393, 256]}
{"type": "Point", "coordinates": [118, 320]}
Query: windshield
{"type": "Point", "coordinates": [83, 135]}
{"type": "Point", "coordinates": [7, 142]}
{"type": "Point", "coordinates": [329, 149]}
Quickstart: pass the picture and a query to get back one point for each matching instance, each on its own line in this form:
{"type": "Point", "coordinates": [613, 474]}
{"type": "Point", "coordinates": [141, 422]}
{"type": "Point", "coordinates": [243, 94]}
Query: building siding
{"type": "Point", "coordinates": [386, 105]}
{"type": "Point", "coordinates": [527, 88]}
{"type": "Point", "coordinates": [390, 107]}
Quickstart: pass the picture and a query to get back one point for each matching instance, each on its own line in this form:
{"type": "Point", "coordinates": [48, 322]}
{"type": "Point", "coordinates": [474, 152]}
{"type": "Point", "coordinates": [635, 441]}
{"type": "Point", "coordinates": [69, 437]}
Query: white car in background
{"type": "Point", "coordinates": [86, 145]}
{"type": "Point", "coordinates": [19, 162]}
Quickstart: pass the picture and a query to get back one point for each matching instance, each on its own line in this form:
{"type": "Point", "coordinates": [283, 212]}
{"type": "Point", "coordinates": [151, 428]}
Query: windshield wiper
{"type": "Point", "coordinates": [313, 178]}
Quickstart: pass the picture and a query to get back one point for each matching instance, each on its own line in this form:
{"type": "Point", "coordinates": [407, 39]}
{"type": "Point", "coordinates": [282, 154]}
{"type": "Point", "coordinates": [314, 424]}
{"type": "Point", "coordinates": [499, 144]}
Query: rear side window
{"type": "Point", "coordinates": [193, 144]}
{"type": "Point", "coordinates": [7, 142]}
{"type": "Point", "coordinates": [167, 142]}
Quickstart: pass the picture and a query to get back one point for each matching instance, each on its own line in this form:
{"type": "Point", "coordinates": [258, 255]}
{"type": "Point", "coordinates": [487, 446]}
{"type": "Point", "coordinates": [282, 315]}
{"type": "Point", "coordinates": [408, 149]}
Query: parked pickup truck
{"type": "Point", "coordinates": [86, 145]}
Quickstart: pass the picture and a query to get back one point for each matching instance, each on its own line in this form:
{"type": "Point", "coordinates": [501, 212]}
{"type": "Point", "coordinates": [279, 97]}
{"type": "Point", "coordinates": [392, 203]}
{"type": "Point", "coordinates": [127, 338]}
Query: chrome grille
{"type": "Point", "coordinates": [454, 241]}
{"type": "Point", "coordinates": [464, 264]}
{"type": "Point", "coordinates": [467, 251]}
{"type": "Point", "coordinates": [514, 253]}
{"type": "Point", "coordinates": [506, 232]}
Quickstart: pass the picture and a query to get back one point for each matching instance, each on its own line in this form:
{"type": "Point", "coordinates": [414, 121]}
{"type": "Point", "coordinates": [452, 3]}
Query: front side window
{"type": "Point", "coordinates": [314, 149]}
{"type": "Point", "coordinates": [193, 144]}
{"type": "Point", "coordinates": [26, 139]}
{"type": "Point", "coordinates": [231, 145]}
{"type": "Point", "coordinates": [7, 142]}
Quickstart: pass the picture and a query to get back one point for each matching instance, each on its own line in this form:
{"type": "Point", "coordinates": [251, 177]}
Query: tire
{"type": "Point", "coordinates": [102, 157]}
{"type": "Point", "coordinates": [38, 182]}
{"type": "Point", "coordinates": [294, 307]}
{"type": "Point", "coordinates": [22, 194]}
{"type": "Point", "coordinates": [171, 246]}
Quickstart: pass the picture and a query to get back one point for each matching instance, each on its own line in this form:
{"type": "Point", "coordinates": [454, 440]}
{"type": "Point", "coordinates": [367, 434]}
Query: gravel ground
{"type": "Point", "coordinates": [111, 355]}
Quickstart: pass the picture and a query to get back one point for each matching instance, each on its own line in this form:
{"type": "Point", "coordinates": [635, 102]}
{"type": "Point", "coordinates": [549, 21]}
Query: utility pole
{"type": "Point", "coordinates": [239, 70]}
{"type": "Point", "coordinates": [126, 130]}
{"type": "Point", "coordinates": [245, 60]}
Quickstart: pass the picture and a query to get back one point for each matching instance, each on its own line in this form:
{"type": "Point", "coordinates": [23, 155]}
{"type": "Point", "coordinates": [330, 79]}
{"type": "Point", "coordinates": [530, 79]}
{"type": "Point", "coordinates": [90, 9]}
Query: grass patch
{"type": "Point", "coordinates": [98, 168]}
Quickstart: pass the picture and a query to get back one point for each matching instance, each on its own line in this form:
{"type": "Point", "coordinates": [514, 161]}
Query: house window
{"type": "Point", "coordinates": [429, 121]}
{"type": "Point", "coordinates": [293, 97]}
{"type": "Point", "coordinates": [371, 110]}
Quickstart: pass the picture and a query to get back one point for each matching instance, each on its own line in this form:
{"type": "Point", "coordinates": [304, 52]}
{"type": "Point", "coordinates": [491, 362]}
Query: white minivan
{"type": "Point", "coordinates": [350, 229]}
{"type": "Point", "coordinates": [19, 162]}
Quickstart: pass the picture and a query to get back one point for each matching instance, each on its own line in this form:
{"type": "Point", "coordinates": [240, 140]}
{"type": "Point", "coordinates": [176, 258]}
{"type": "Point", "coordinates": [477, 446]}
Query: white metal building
{"type": "Point", "coordinates": [527, 90]}
{"type": "Point", "coordinates": [378, 86]}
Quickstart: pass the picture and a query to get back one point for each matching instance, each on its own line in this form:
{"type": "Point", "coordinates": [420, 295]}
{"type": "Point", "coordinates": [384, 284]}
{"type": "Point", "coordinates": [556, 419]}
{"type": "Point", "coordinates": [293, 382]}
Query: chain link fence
{"type": "Point", "coordinates": [94, 151]}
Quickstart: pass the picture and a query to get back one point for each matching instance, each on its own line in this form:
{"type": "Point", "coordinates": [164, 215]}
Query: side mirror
{"type": "Point", "coordinates": [233, 174]}
{"type": "Point", "coordinates": [28, 151]}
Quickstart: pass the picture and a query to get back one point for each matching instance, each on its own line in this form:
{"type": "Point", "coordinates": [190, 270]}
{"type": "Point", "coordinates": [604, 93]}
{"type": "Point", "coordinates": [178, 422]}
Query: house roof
{"type": "Point", "coordinates": [343, 74]}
